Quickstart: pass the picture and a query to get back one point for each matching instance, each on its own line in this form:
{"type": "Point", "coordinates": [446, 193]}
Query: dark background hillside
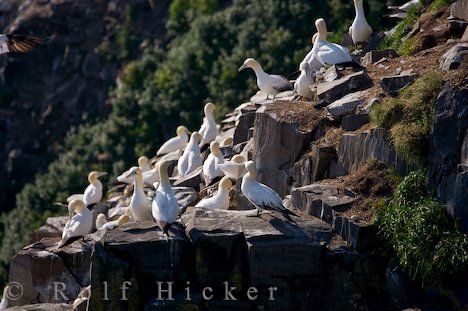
{"type": "Point", "coordinates": [117, 77]}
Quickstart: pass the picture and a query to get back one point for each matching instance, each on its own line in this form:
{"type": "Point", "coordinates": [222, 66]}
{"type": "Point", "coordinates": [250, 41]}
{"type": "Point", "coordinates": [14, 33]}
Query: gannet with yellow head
{"type": "Point", "coordinates": [360, 31]}
{"type": "Point", "coordinates": [175, 143]}
{"type": "Point", "coordinates": [261, 196]}
{"type": "Point", "coordinates": [325, 52]}
{"type": "Point", "coordinates": [92, 193]}
{"type": "Point", "coordinates": [165, 207]}
{"type": "Point", "coordinates": [269, 84]}
{"type": "Point", "coordinates": [220, 200]}
{"type": "Point", "coordinates": [209, 128]}
{"type": "Point", "coordinates": [103, 224]}
{"type": "Point", "coordinates": [210, 166]}
{"type": "Point", "coordinates": [191, 158]}
{"type": "Point", "coordinates": [139, 204]}
{"type": "Point", "coordinates": [80, 224]}
{"type": "Point", "coordinates": [143, 164]}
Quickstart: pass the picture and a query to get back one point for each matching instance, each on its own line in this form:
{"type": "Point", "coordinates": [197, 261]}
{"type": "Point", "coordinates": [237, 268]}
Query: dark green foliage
{"type": "Point", "coordinates": [427, 241]}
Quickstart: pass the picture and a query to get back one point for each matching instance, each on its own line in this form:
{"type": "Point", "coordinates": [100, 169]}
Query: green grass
{"type": "Point", "coordinates": [428, 244]}
{"type": "Point", "coordinates": [409, 116]}
{"type": "Point", "coordinates": [438, 4]}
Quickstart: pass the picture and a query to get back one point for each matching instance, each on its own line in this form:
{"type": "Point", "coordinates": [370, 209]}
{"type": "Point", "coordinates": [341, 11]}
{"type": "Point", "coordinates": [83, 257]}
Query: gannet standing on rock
{"type": "Point", "coordinates": [234, 168]}
{"type": "Point", "coordinates": [19, 43]}
{"type": "Point", "coordinates": [139, 204]}
{"type": "Point", "coordinates": [79, 225]}
{"type": "Point", "coordinates": [221, 198]}
{"type": "Point", "coordinates": [263, 197]}
{"type": "Point", "coordinates": [165, 207]}
{"type": "Point", "coordinates": [304, 81]}
{"type": "Point", "coordinates": [175, 143]}
{"type": "Point", "coordinates": [360, 31]}
{"type": "Point", "coordinates": [191, 158]}
{"type": "Point", "coordinates": [92, 193]}
{"type": "Point", "coordinates": [269, 84]}
{"type": "Point", "coordinates": [401, 11]}
{"type": "Point", "coordinates": [210, 166]}
{"type": "Point", "coordinates": [209, 128]}
{"type": "Point", "coordinates": [327, 53]}
{"type": "Point", "coordinates": [4, 302]}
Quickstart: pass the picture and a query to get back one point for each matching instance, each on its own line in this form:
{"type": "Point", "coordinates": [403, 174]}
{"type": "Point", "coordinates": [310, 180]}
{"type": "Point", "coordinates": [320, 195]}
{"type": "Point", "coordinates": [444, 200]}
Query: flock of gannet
{"type": "Point", "coordinates": [164, 208]}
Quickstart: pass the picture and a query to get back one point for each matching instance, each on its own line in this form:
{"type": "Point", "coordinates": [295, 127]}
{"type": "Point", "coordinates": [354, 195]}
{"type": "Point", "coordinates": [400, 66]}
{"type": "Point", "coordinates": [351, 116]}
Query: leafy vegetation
{"type": "Point", "coordinates": [409, 116]}
{"type": "Point", "coordinates": [438, 4]}
{"type": "Point", "coordinates": [427, 241]}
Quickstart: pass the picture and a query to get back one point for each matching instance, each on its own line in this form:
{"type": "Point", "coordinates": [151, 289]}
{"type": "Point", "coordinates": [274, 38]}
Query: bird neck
{"type": "Point", "coordinates": [138, 183]}
{"type": "Point", "coordinates": [96, 183]}
{"type": "Point", "coordinates": [164, 177]}
{"type": "Point", "coordinates": [257, 68]}
{"type": "Point", "coordinates": [252, 175]}
{"type": "Point", "coordinates": [359, 8]}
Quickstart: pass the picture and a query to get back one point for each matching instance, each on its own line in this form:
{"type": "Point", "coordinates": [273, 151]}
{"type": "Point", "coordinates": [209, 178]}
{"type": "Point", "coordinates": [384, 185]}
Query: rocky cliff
{"type": "Point", "coordinates": [328, 162]}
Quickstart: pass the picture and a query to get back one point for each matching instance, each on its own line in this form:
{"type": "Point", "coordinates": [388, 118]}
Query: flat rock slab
{"type": "Point", "coordinates": [456, 57]}
{"type": "Point", "coordinates": [394, 84]}
{"type": "Point", "coordinates": [375, 55]}
{"type": "Point", "coordinates": [336, 89]}
{"type": "Point", "coordinates": [347, 104]}
{"type": "Point", "coordinates": [459, 9]}
{"type": "Point", "coordinates": [354, 122]}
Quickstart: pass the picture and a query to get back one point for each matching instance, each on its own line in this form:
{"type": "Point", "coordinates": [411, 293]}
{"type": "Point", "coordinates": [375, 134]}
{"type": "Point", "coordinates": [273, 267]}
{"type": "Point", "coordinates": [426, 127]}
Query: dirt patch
{"type": "Point", "coordinates": [302, 113]}
{"type": "Point", "coordinates": [332, 137]}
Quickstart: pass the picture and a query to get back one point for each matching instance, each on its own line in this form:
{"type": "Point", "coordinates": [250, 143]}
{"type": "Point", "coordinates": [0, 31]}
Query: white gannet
{"type": "Point", "coordinates": [234, 168]}
{"type": "Point", "coordinates": [304, 81]}
{"type": "Point", "coordinates": [227, 142]}
{"type": "Point", "coordinates": [210, 166]}
{"type": "Point", "coordinates": [191, 158]}
{"type": "Point", "coordinates": [269, 84]}
{"type": "Point", "coordinates": [92, 193]}
{"type": "Point", "coordinates": [175, 143]}
{"type": "Point", "coordinates": [4, 302]}
{"type": "Point", "coordinates": [325, 52]}
{"type": "Point", "coordinates": [209, 128]}
{"type": "Point", "coordinates": [149, 177]}
{"type": "Point", "coordinates": [261, 196]}
{"type": "Point", "coordinates": [314, 64]}
{"type": "Point", "coordinates": [165, 207]}
{"type": "Point", "coordinates": [220, 199]}
{"type": "Point", "coordinates": [143, 164]}
{"type": "Point", "coordinates": [360, 31]}
{"type": "Point", "coordinates": [404, 7]}
{"type": "Point", "coordinates": [139, 206]}
{"type": "Point", "coordinates": [85, 294]}
{"type": "Point", "coordinates": [79, 225]}
{"type": "Point", "coordinates": [102, 223]}
{"type": "Point", "coordinates": [19, 43]}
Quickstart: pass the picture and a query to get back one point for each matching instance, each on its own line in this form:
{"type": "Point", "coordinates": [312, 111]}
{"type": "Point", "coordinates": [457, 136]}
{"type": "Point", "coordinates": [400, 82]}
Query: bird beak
{"type": "Point", "coordinates": [101, 174]}
{"type": "Point", "coordinates": [241, 68]}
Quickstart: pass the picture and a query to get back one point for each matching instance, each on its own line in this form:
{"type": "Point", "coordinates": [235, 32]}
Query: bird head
{"type": "Point", "coordinates": [321, 28]}
{"type": "Point", "coordinates": [214, 148]}
{"type": "Point", "coordinates": [197, 137]}
{"type": "Point", "coordinates": [209, 108]}
{"type": "Point", "coordinates": [143, 161]}
{"type": "Point", "coordinates": [227, 142]}
{"type": "Point", "coordinates": [76, 205]}
{"type": "Point", "coordinates": [225, 183]}
{"type": "Point", "coordinates": [134, 171]}
{"type": "Point", "coordinates": [162, 168]}
{"type": "Point", "coordinates": [100, 220]}
{"type": "Point", "coordinates": [94, 175]}
{"type": "Point", "coordinates": [182, 131]}
{"type": "Point", "coordinates": [249, 63]}
{"type": "Point", "coordinates": [238, 159]}
{"type": "Point", "coordinates": [251, 168]}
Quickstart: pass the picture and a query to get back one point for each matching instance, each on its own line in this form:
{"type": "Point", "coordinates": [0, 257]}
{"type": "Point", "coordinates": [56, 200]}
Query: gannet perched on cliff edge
{"type": "Point", "coordinates": [19, 43]}
{"type": "Point", "coordinates": [143, 164]}
{"type": "Point", "coordinates": [79, 225]}
{"type": "Point", "coordinates": [269, 84]}
{"type": "Point", "coordinates": [139, 204]}
{"type": "Point", "coordinates": [325, 52]}
{"type": "Point", "coordinates": [234, 168]}
{"type": "Point", "coordinates": [210, 166]}
{"type": "Point", "coordinates": [92, 193]}
{"type": "Point", "coordinates": [209, 128]}
{"type": "Point", "coordinates": [360, 31]}
{"type": "Point", "coordinates": [263, 197]}
{"type": "Point", "coordinates": [221, 198]}
{"type": "Point", "coordinates": [304, 81]}
{"type": "Point", "coordinates": [175, 143]}
{"type": "Point", "coordinates": [191, 158]}
{"type": "Point", "coordinates": [165, 207]}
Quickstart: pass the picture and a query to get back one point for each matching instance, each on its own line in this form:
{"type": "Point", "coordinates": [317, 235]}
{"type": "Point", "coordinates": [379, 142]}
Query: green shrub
{"type": "Point", "coordinates": [428, 244]}
{"type": "Point", "coordinates": [409, 116]}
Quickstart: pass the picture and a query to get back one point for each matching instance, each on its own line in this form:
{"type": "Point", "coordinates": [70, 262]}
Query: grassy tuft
{"type": "Point", "coordinates": [438, 4]}
{"type": "Point", "coordinates": [409, 116]}
{"type": "Point", "coordinates": [427, 241]}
